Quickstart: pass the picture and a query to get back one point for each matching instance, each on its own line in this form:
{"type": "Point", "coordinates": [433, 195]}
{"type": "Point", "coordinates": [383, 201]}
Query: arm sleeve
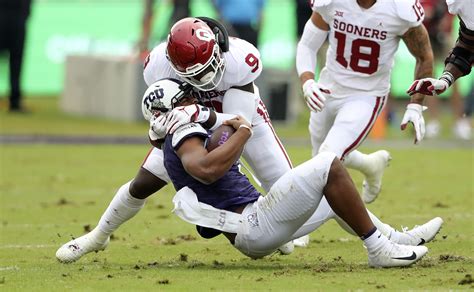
{"type": "Point", "coordinates": [240, 102]}
{"type": "Point", "coordinates": [308, 47]}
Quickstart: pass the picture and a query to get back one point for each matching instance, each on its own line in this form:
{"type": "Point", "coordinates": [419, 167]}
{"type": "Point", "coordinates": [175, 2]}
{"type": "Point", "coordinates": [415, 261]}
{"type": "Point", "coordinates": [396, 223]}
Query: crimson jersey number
{"type": "Point", "coordinates": [356, 55]}
{"type": "Point", "coordinates": [252, 61]}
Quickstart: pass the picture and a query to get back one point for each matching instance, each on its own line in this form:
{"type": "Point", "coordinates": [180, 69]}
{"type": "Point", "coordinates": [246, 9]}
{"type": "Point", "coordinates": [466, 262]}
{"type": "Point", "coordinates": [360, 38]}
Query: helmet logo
{"type": "Point", "coordinates": [154, 99]}
{"type": "Point", "coordinates": [204, 35]}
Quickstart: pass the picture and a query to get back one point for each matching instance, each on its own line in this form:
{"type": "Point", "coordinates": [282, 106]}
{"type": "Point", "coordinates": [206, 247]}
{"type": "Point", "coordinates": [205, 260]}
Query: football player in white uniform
{"type": "Point", "coordinates": [353, 85]}
{"type": "Point", "coordinates": [222, 71]}
{"type": "Point", "coordinates": [460, 59]}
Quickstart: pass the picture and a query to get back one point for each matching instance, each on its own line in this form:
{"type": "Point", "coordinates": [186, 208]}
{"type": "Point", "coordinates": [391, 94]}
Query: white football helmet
{"type": "Point", "coordinates": [162, 96]}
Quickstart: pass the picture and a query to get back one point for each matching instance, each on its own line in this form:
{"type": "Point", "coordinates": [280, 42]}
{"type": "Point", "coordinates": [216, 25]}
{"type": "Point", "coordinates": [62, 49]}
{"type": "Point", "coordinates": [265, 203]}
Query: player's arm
{"type": "Point", "coordinates": [146, 25]}
{"type": "Point", "coordinates": [460, 59]}
{"type": "Point", "coordinates": [314, 35]}
{"type": "Point", "coordinates": [418, 43]}
{"type": "Point", "coordinates": [208, 167]}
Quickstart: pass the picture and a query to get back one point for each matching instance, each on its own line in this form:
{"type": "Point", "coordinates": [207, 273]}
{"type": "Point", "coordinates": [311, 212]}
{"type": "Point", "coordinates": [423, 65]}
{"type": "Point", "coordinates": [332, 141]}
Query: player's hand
{"type": "Point", "coordinates": [158, 126]}
{"type": "Point", "coordinates": [182, 115]}
{"type": "Point", "coordinates": [238, 122]}
{"type": "Point", "coordinates": [428, 86]}
{"type": "Point", "coordinates": [414, 115]}
{"type": "Point", "coordinates": [314, 95]}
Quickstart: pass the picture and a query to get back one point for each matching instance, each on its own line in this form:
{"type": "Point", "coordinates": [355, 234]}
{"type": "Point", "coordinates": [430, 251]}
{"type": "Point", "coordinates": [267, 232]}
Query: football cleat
{"type": "Point", "coordinates": [462, 129]}
{"type": "Point", "coordinates": [419, 235]}
{"type": "Point", "coordinates": [373, 180]}
{"type": "Point", "coordinates": [287, 248]}
{"type": "Point", "coordinates": [76, 248]}
{"type": "Point", "coordinates": [303, 241]}
{"type": "Point", "coordinates": [433, 129]}
{"type": "Point", "coordinates": [396, 255]}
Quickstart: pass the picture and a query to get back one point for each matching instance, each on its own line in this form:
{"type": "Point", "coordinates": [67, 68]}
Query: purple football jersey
{"type": "Point", "coordinates": [231, 190]}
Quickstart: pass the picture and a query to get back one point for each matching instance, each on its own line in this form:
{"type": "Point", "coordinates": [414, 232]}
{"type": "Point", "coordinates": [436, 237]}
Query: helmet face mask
{"type": "Point", "coordinates": [162, 96]}
{"type": "Point", "coordinates": [194, 54]}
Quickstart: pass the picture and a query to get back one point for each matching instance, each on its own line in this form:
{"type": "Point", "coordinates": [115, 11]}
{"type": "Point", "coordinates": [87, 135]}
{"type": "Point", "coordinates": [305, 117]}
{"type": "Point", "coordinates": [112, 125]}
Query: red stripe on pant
{"type": "Point", "coordinates": [379, 103]}
{"type": "Point", "coordinates": [148, 154]}
{"type": "Point", "coordinates": [264, 114]}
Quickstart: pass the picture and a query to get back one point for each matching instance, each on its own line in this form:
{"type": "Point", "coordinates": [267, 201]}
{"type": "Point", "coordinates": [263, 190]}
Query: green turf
{"type": "Point", "coordinates": [52, 192]}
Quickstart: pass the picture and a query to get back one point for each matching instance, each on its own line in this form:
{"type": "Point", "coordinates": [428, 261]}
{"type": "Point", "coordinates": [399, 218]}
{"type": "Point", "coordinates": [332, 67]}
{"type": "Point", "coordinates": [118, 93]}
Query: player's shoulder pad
{"type": "Point", "coordinates": [320, 3]}
{"type": "Point", "coordinates": [185, 131]}
{"type": "Point", "coordinates": [154, 62]}
{"type": "Point", "coordinates": [409, 10]}
{"type": "Point", "coordinates": [243, 62]}
{"type": "Point", "coordinates": [453, 6]}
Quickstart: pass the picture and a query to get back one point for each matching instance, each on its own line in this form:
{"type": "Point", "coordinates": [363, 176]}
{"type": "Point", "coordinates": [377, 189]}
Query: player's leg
{"type": "Point", "coordinates": [274, 218]}
{"type": "Point", "coordinates": [344, 199]}
{"type": "Point", "coordinates": [354, 120]}
{"type": "Point", "coordinates": [264, 152]}
{"type": "Point", "coordinates": [267, 157]}
{"type": "Point", "coordinates": [127, 202]}
{"type": "Point", "coordinates": [320, 124]}
{"type": "Point", "coordinates": [291, 200]}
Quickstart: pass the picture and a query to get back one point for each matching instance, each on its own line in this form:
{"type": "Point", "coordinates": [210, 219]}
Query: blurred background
{"type": "Point", "coordinates": [81, 67]}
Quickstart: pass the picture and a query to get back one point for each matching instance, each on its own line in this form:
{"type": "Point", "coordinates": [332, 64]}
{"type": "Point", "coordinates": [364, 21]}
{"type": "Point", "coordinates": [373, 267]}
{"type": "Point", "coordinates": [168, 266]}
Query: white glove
{"type": "Point", "coordinates": [157, 129]}
{"type": "Point", "coordinates": [428, 86]}
{"type": "Point", "coordinates": [186, 114]}
{"type": "Point", "coordinates": [313, 95]}
{"type": "Point", "coordinates": [414, 115]}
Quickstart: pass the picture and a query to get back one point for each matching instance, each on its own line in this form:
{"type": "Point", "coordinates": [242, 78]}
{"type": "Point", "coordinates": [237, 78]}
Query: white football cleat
{"type": "Point", "coordinates": [433, 129]}
{"type": "Point", "coordinates": [396, 255]}
{"type": "Point", "coordinates": [303, 241]}
{"type": "Point", "coordinates": [462, 129]}
{"type": "Point", "coordinates": [419, 235]}
{"type": "Point", "coordinates": [76, 248]}
{"type": "Point", "coordinates": [287, 248]}
{"type": "Point", "coordinates": [373, 180]}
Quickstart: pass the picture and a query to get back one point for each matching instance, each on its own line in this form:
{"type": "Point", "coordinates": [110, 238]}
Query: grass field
{"type": "Point", "coordinates": [50, 193]}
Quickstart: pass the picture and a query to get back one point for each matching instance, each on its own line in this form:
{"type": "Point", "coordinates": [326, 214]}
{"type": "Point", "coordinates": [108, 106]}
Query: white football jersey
{"type": "Point", "coordinates": [363, 42]}
{"type": "Point", "coordinates": [464, 9]}
{"type": "Point", "coordinates": [243, 66]}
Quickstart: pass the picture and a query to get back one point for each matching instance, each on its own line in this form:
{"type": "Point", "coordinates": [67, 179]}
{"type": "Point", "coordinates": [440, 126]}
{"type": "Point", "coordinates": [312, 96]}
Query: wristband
{"type": "Point", "coordinates": [202, 114]}
{"type": "Point", "coordinates": [448, 77]}
{"type": "Point", "coordinates": [248, 128]}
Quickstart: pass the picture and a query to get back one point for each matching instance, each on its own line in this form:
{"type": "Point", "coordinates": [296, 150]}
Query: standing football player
{"type": "Point", "coordinates": [222, 71]}
{"type": "Point", "coordinates": [353, 85]}
{"type": "Point", "coordinates": [460, 59]}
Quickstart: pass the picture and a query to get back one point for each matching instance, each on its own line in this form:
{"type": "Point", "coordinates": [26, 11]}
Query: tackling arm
{"type": "Point", "coordinates": [460, 59]}
{"type": "Point", "coordinates": [208, 167]}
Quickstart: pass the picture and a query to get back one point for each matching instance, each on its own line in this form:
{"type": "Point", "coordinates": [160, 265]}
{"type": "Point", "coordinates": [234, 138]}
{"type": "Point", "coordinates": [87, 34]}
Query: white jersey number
{"type": "Point", "coordinates": [357, 55]}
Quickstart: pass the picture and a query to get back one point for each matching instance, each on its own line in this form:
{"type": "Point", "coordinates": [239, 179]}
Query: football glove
{"type": "Point", "coordinates": [181, 115]}
{"type": "Point", "coordinates": [428, 86]}
{"type": "Point", "coordinates": [157, 129]}
{"type": "Point", "coordinates": [313, 95]}
{"type": "Point", "coordinates": [414, 115]}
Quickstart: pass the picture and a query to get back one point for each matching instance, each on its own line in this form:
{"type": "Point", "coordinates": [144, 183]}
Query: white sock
{"type": "Point", "coordinates": [375, 241]}
{"type": "Point", "coordinates": [358, 161]}
{"type": "Point", "coordinates": [122, 207]}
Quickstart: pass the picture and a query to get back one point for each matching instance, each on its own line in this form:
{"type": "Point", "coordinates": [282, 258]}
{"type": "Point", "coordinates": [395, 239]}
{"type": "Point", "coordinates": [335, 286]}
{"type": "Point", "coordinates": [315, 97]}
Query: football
{"type": "Point", "coordinates": [219, 136]}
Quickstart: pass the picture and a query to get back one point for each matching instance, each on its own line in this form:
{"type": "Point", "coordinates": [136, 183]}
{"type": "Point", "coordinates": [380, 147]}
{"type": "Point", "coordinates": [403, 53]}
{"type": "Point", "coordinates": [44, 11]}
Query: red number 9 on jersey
{"type": "Point", "coordinates": [252, 61]}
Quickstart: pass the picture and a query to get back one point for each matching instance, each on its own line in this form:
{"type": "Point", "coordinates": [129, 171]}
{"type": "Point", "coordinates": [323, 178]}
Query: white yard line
{"type": "Point", "coordinates": [11, 246]}
{"type": "Point", "coordinates": [9, 268]}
